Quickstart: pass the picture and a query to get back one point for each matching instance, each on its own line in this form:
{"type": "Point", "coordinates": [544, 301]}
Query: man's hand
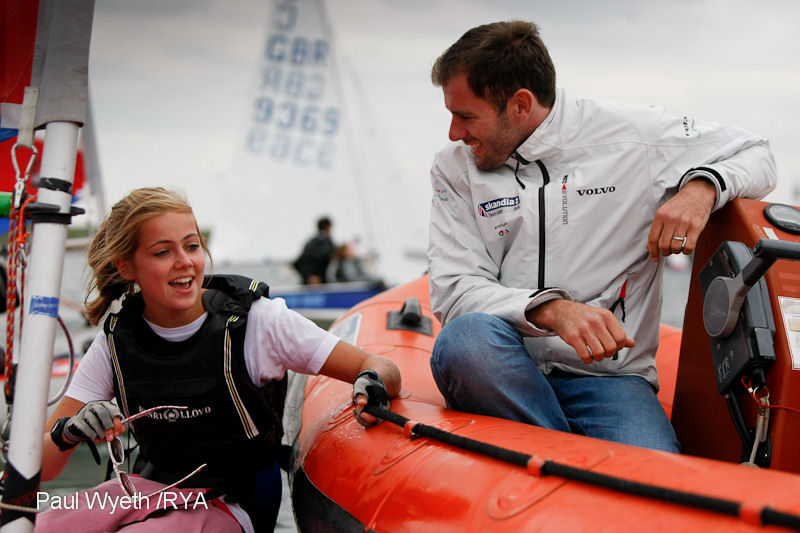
{"type": "Point", "coordinates": [595, 333]}
{"type": "Point", "coordinates": [682, 216]}
{"type": "Point", "coordinates": [368, 389]}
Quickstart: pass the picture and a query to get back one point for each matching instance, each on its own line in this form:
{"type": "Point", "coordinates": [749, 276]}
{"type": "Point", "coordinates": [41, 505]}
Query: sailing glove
{"type": "Point", "coordinates": [369, 384]}
{"type": "Point", "coordinates": [91, 422]}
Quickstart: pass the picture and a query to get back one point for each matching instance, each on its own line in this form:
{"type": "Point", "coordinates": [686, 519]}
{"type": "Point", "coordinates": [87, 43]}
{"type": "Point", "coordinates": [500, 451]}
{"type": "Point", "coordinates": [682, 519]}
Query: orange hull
{"type": "Point", "coordinates": [348, 478]}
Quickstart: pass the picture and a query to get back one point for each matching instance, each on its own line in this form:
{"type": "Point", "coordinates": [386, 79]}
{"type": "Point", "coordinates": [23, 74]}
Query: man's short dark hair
{"type": "Point", "coordinates": [324, 224]}
{"type": "Point", "coordinates": [499, 59]}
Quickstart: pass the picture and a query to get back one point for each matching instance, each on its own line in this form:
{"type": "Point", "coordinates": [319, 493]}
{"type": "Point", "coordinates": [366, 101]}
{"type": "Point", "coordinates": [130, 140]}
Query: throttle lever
{"type": "Point", "coordinates": [724, 298]}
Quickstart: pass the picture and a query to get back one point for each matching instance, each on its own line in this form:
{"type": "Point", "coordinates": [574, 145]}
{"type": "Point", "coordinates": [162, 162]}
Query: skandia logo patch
{"type": "Point", "coordinates": [492, 207]}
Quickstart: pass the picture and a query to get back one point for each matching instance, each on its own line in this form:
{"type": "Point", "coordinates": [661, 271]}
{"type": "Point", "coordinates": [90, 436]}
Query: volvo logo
{"type": "Point", "coordinates": [596, 190]}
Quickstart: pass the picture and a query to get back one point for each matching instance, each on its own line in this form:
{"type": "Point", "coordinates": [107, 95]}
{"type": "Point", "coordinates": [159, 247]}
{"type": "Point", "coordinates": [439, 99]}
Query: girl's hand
{"type": "Point", "coordinates": [368, 389]}
{"type": "Point", "coordinates": [96, 421]}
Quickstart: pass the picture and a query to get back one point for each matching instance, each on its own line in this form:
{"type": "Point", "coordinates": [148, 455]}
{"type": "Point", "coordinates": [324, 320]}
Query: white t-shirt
{"type": "Point", "coordinates": [276, 339]}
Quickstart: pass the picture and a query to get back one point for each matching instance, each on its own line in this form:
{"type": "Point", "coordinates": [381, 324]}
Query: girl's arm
{"type": "Point", "coordinates": [53, 459]}
{"type": "Point", "coordinates": [346, 362]}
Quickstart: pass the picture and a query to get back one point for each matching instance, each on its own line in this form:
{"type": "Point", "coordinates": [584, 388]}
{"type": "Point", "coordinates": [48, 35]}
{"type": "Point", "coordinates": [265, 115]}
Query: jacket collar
{"type": "Point", "coordinates": [543, 141]}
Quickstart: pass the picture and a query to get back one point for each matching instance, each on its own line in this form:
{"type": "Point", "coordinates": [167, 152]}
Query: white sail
{"type": "Point", "coordinates": [305, 152]}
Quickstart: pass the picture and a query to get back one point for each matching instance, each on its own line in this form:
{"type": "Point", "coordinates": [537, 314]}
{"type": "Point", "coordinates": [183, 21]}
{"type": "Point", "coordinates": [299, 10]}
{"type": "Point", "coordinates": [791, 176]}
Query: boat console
{"type": "Point", "coordinates": [741, 339]}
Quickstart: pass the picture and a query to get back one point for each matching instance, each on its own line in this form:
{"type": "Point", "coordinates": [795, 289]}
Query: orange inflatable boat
{"type": "Point", "coordinates": [429, 468]}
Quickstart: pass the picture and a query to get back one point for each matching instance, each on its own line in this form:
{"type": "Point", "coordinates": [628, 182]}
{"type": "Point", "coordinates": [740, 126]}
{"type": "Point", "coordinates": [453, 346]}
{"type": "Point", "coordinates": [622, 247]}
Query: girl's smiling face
{"type": "Point", "coordinates": [168, 266]}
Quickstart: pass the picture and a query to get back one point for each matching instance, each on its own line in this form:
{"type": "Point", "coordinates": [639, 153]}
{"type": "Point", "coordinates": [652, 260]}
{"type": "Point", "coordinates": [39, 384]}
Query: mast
{"type": "Point", "coordinates": [48, 239]}
{"type": "Point", "coordinates": [59, 75]}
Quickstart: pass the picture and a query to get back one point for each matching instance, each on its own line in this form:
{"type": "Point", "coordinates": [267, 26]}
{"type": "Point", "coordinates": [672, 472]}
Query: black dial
{"type": "Point", "coordinates": [784, 217]}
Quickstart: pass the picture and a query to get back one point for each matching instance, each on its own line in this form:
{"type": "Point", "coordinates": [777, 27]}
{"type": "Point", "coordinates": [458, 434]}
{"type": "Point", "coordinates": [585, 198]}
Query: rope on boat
{"type": "Point", "coordinates": [750, 512]}
{"type": "Point", "coordinates": [15, 268]}
{"type": "Point", "coordinates": [15, 279]}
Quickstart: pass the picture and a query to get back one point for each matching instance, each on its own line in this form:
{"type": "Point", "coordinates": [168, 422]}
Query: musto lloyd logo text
{"type": "Point", "coordinates": [491, 208]}
{"type": "Point", "coordinates": [172, 415]}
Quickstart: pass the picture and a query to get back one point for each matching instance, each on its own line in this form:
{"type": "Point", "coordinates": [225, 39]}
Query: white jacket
{"type": "Point", "coordinates": [573, 220]}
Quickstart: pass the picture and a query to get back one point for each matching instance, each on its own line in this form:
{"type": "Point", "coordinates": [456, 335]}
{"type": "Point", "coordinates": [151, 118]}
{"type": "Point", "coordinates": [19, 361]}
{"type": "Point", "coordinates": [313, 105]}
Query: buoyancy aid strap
{"type": "Point", "coordinates": [247, 422]}
{"type": "Point", "coordinates": [116, 366]}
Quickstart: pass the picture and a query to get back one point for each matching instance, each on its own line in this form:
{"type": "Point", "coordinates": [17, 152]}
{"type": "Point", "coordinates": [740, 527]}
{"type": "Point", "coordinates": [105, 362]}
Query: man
{"type": "Point", "coordinates": [549, 224]}
{"type": "Point", "coordinates": [316, 255]}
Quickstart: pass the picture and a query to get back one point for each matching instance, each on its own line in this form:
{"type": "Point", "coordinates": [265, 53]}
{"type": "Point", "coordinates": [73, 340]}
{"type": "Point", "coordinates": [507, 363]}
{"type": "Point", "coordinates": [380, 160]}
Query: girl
{"type": "Point", "coordinates": [214, 352]}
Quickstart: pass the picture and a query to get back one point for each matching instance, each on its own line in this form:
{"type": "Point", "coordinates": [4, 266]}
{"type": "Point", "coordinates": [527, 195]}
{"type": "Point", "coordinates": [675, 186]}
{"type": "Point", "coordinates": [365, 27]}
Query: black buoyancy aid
{"type": "Point", "coordinates": [231, 424]}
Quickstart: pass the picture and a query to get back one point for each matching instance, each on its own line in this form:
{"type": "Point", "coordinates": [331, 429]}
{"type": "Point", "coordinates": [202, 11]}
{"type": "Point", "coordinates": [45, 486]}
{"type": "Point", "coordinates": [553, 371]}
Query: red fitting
{"type": "Point", "coordinates": [408, 429]}
{"type": "Point", "coordinates": [750, 512]}
{"type": "Point", "coordinates": [535, 464]}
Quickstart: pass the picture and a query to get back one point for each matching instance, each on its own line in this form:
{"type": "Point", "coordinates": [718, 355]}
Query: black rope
{"type": "Point", "coordinates": [548, 467]}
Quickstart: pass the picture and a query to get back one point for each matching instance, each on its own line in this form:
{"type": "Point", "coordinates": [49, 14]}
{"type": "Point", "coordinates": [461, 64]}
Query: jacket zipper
{"type": "Point", "coordinates": [545, 181]}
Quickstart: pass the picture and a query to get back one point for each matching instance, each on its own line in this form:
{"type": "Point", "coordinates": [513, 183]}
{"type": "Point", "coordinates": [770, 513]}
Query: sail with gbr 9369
{"type": "Point", "coordinates": [308, 149]}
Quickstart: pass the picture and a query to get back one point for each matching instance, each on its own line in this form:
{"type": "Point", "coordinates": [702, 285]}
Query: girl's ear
{"type": "Point", "coordinates": [125, 268]}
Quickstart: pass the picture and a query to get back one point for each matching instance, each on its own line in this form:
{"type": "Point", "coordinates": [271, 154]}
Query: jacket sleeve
{"type": "Point", "coordinates": [463, 276]}
{"type": "Point", "coordinates": [738, 163]}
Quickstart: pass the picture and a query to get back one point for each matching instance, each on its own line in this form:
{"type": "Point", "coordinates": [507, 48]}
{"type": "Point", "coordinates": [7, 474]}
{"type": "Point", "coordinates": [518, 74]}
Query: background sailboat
{"type": "Point", "coordinates": [306, 151]}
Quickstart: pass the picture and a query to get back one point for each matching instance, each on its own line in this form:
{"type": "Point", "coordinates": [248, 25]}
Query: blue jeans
{"type": "Point", "coordinates": [481, 366]}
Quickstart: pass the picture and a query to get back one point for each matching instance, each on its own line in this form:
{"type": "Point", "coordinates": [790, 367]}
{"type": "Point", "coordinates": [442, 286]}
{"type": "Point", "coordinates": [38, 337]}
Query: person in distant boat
{"type": "Point", "coordinates": [214, 350]}
{"type": "Point", "coordinates": [313, 262]}
{"type": "Point", "coordinates": [350, 267]}
{"type": "Point", "coordinates": [549, 226]}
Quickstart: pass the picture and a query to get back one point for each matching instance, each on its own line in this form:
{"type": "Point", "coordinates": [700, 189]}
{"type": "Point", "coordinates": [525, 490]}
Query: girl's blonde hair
{"type": "Point", "coordinates": [117, 238]}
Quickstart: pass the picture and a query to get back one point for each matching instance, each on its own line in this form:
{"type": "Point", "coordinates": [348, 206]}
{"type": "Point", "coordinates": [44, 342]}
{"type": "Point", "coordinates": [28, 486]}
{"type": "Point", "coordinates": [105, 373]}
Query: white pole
{"type": "Point", "coordinates": [40, 312]}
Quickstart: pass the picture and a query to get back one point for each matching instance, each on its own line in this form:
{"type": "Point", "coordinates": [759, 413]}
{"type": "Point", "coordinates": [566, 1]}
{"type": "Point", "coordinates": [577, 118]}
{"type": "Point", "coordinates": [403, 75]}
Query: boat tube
{"type": "Point", "coordinates": [429, 468]}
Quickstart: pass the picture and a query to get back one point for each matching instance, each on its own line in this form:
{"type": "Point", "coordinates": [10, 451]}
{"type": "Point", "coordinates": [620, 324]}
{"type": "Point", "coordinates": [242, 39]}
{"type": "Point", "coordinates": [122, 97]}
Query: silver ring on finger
{"type": "Point", "coordinates": [682, 239]}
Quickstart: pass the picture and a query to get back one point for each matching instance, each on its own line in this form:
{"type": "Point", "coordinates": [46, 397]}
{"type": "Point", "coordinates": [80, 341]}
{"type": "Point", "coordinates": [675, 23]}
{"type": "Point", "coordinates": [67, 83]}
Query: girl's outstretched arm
{"type": "Point", "coordinates": [346, 362]}
{"type": "Point", "coordinates": [53, 459]}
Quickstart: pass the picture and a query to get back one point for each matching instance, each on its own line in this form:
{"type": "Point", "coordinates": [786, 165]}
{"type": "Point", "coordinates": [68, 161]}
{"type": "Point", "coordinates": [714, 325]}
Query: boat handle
{"type": "Point", "coordinates": [411, 312]}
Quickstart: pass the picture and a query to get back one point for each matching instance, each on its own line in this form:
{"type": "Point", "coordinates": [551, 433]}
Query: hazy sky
{"type": "Point", "coordinates": [171, 79]}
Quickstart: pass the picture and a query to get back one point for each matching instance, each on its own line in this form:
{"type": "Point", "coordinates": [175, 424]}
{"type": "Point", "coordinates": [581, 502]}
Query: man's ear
{"type": "Point", "coordinates": [521, 104]}
{"type": "Point", "coordinates": [125, 268]}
